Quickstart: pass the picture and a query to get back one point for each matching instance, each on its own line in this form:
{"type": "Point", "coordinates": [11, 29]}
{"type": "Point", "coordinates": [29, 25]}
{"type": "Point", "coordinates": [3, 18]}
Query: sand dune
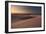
{"type": "Point", "coordinates": [27, 22]}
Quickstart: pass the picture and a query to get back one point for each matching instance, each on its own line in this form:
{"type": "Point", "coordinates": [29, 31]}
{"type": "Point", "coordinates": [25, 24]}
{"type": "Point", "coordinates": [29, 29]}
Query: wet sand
{"type": "Point", "coordinates": [27, 21]}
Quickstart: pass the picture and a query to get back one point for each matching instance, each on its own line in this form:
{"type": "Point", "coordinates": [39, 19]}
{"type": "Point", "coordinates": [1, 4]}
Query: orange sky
{"type": "Point", "coordinates": [17, 9]}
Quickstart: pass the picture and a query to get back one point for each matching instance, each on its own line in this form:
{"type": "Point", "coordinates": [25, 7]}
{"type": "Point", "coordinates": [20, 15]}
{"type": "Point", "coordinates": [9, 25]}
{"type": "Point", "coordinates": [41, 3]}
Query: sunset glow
{"type": "Point", "coordinates": [19, 9]}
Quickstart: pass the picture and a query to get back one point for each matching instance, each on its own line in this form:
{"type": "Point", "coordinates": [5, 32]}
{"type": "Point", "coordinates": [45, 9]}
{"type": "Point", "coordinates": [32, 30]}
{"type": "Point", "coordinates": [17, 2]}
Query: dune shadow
{"type": "Point", "coordinates": [18, 18]}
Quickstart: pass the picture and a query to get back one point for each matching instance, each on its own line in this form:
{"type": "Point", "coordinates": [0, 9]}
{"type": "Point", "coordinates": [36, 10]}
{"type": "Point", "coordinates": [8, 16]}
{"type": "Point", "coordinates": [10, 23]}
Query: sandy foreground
{"type": "Point", "coordinates": [29, 22]}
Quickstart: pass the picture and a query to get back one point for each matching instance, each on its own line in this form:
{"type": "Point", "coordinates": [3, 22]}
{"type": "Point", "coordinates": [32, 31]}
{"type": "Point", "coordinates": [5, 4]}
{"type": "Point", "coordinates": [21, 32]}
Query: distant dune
{"type": "Point", "coordinates": [26, 14]}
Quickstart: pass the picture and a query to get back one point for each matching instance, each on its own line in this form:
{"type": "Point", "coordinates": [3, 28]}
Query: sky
{"type": "Point", "coordinates": [25, 9]}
